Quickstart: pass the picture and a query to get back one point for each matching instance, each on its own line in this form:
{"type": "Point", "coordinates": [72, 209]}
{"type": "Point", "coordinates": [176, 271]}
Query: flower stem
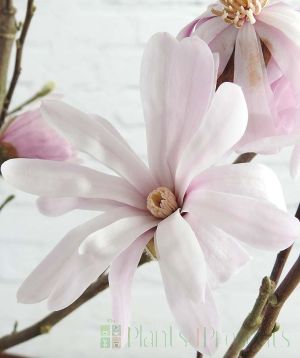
{"type": "Point", "coordinates": [44, 91]}
{"type": "Point", "coordinates": [6, 201]}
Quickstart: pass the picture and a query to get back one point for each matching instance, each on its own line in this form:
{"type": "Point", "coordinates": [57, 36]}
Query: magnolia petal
{"type": "Point", "coordinates": [121, 275]}
{"type": "Point", "coordinates": [60, 206]}
{"type": "Point", "coordinates": [92, 135]}
{"type": "Point", "coordinates": [210, 29]}
{"type": "Point", "coordinates": [61, 179]}
{"type": "Point", "coordinates": [118, 236]}
{"type": "Point", "coordinates": [255, 222]}
{"type": "Point", "coordinates": [215, 137]}
{"type": "Point", "coordinates": [177, 83]}
{"type": "Point", "coordinates": [248, 179]}
{"type": "Point", "coordinates": [183, 272]}
{"type": "Point", "coordinates": [39, 284]}
{"type": "Point", "coordinates": [295, 162]}
{"type": "Point", "coordinates": [32, 137]}
{"type": "Point", "coordinates": [223, 254]}
{"type": "Point", "coordinates": [250, 73]}
{"type": "Point", "coordinates": [180, 255]}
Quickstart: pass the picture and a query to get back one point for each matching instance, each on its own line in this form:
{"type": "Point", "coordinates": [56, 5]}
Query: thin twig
{"type": "Point", "coordinates": [6, 201]}
{"type": "Point", "coordinates": [269, 326]}
{"type": "Point", "coordinates": [199, 355]}
{"type": "Point", "coordinates": [45, 325]}
{"type": "Point", "coordinates": [18, 62]}
{"type": "Point", "coordinates": [253, 321]}
{"type": "Point", "coordinates": [44, 91]}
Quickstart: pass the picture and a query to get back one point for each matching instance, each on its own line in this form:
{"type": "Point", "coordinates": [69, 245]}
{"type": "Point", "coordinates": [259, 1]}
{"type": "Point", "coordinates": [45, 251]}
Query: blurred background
{"type": "Point", "coordinates": [92, 49]}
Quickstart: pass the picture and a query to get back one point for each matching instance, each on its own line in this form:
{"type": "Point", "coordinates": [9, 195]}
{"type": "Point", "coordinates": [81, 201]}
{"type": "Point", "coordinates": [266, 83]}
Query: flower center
{"type": "Point", "coordinates": [7, 151]}
{"type": "Point", "coordinates": [162, 202]}
{"type": "Point", "coordinates": [236, 12]}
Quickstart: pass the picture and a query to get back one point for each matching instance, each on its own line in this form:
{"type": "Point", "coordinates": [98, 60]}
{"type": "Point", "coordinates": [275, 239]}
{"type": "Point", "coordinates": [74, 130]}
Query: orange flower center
{"type": "Point", "coordinates": [162, 202]}
{"type": "Point", "coordinates": [236, 12]}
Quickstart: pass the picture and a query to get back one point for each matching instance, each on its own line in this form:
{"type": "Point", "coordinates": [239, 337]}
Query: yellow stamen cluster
{"type": "Point", "coordinates": [236, 12]}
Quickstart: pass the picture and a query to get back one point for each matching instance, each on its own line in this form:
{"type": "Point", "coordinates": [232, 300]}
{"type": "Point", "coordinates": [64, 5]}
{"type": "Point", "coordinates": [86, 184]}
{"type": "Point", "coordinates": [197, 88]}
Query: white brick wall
{"type": "Point", "coordinates": [92, 49]}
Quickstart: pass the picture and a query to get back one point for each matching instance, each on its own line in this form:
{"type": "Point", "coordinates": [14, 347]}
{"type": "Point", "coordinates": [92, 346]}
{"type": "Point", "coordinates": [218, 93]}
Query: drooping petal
{"type": "Point", "coordinates": [180, 255]}
{"type": "Point", "coordinates": [248, 179]}
{"type": "Point", "coordinates": [61, 179]}
{"type": "Point", "coordinates": [93, 135]}
{"type": "Point", "coordinates": [250, 73]}
{"type": "Point", "coordinates": [32, 137]}
{"type": "Point", "coordinates": [95, 255]}
{"type": "Point", "coordinates": [210, 29]}
{"type": "Point", "coordinates": [255, 222]}
{"type": "Point", "coordinates": [223, 254]}
{"type": "Point", "coordinates": [221, 129]}
{"type": "Point", "coordinates": [42, 280]}
{"type": "Point", "coordinates": [121, 274]}
{"type": "Point", "coordinates": [183, 270]}
{"type": "Point", "coordinates": [60, 206]}
{"type": "Point", "coordinates": [295, 162]}
{"type": "Point", "coordinates": [279, 44]}
{"type": "Point", "coordinates": [177, 82]}
{"type": "Point", "coordinates": [118, 236]}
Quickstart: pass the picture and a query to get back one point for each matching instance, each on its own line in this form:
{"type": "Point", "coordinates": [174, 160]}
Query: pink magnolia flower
{"type": "Point", "coordinates": [29, 136]}
{"type": "Point", "coordinates": [198, 214]}
{"type": "Point", "coordinates": [262, 39]}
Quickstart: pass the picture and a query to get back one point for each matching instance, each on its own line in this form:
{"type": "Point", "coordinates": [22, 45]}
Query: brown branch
{"type": "Point", "coordinates": [269, 326]}
{"type": "Point", "coordinates": [8, 30]}
{"type": "Point", "coordinates": [6, 201]}
{"type": "Point", "coordinates": [199, 355]}
{"type": "Point", "coordinates": [18, 62]}
{"type": "Point", "coordinates": [46, 324]}
{"type": "Point", "coordinates": [245, 158]}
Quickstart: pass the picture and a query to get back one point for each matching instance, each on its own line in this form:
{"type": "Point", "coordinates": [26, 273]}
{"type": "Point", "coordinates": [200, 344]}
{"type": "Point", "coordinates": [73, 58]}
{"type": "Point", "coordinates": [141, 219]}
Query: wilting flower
{"type": "Point", "coordinates": [197, 214]}
{"type": "Point", "coordinates": [259, 47]}
{"type": "Point", "coordinates": [30, 136]}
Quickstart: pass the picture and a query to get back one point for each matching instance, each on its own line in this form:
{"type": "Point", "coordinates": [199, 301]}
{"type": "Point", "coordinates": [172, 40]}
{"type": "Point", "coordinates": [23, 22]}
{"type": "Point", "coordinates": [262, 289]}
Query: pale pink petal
{"type": "Point", "coordinates": [42, 280]}
{"type": "Point", "coordinates": [61, 179]}
{"type": "Point", "coordinates": [255, 222]}
{"type": "Point", "coordinates": [121, 274]}
{"type": "Point", "coordinates": [295, 162]}
{"type": "Point", "coordinates": [112, 240]}
{"type": "Point", "coordinates": [284, 18]}
{"type": "Point", "coordinates": [94, 136]}
{"type": "Point", "coordinates": [279, 44]}
{"type": "Point", "coordinates": [180, 255]}
{"type": "Point", "coordinates": [210, 29]}
{"type": "Point", "coordinates": [32, 137]}
{"type": "Point", "coordinates": [250, 73]}
{"type": "Point", "coordinates": [224, 44]}
{"type": "Point", "coordinates": [177, 82]}
{"type": "Point", "coordinates": [60, 206]}
{"type": "Point", "coordinates": [248, 179]}
{"type": "Point", "coordinates": [215, 137]}
{"type": "Point", "coordinates": [183, 270]}
{"type": "Point", "coordinates": [223, 254]}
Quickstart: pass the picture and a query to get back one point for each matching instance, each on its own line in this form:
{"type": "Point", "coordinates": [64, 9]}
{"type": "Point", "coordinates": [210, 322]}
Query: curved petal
{"type": "Point", "coordinates": [295, 162]}
{"type": "Point", "coordinates": [279, 44]}
{"type": "Point", "coordinates": [250, 73]}
{"type": "Point", "coordinates": [223, 254]}
{"type": "Point", "coordinates": [92, 135]}
{"type": "Point", "coordinates": [118, 236]}
{"type": "Point", "coordinates": [183, 270]}
{"type": "Point", "coordinates": [255, 222]}
{"type": "Point", "coordinates": [248, 179]}
{"type": "Point", "coordinates": [180, 255]}
{"type": "Point", "coordinates": [121, 274]}
{"type": "Point", "coordinates": [210, 29]}
{"type": "Point", "coordinates": [61, 179]}
{"type": "Point", "coordinates": [60, 206]}
{"type": "Point", "coordinates": [42, 280]}
{"type": "Point", "coordinates": [221, 129]}
{"type": "Point", "coordinates": [177, 82]}
{"type": "Point", "coordinates": [95, 255]}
